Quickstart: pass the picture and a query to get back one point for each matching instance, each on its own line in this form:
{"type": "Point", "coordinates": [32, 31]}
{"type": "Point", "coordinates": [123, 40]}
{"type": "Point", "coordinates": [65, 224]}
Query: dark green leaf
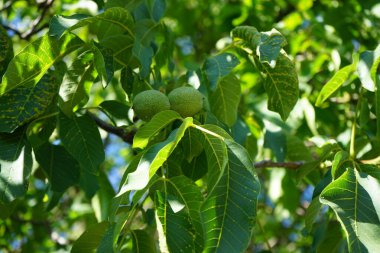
{"type": "Point", "coordinates": [90, 239]}
{"type": "Point", "coordinates": [270, 46]}
{"type": "Point", "coordinates": [28, 67]}
{"type": "Point", "coordinates": [103, 61]}
{"type": "Point", "coordinates": [249, 36]}
{"type": "Point", "coordinates": [219, 66]}
{"type": "Point", "coordinates": [144, 54]}
{"type": "Point", "coordinates": [6, 50]}
{"type": "Point", "coordinates": [158, 9]}
{"type": "Point", "coordinates": [225, 99]}
{"type": "Point", "coordinates": [153, 127]}
{"type": "Point", "coordinates": [22, 104]}
{"type": "Point", "coordinates": [61, 168]}
{"type": "Point", "coordinates": [15, 165]}
{"type": "Point", "coordinates": [81, 138]}
{"type": "Point", "coordinates": [312, 213]}
{"type": "Point", "coordinates": [116, 108]}
{"type": "Point", "coordinates": [143, 242]}
{"type": "Point", "coordinates": [229, 212]}
{"type": "Point", "coordinates": [122, 52]}
{"type": "Point", "coordinates": [192, 147]}
{"type": "Point", "coordinates": [354, 198]}
{"type": "Point", "coordinates": [281, 85]}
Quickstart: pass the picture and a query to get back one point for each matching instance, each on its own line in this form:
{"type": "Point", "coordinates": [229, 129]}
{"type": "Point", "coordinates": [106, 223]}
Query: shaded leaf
{"type": "Point", "coordinates": [90, 239]}
{"type": "Point", "coordinates": [143, 242]}
{"type": "Point", "coordinates": [354, 199]}
{"type": "Point", "coordinates": [219, 66]}
{"type": "Point", "coordinates": [249, 35]}
{"type": "Point", "coordinates": [225, 99]}
{"type": "Point", "coordinates": [270, 46]}
{"type": "Point", "coordinates": [153, 127]}
{"type": "Point", "coordinates": [312, 213]}
{"type": "Point", "coordinates": [6, 50]}
{"type": "Point", "coordinates": [81, 138]}
{"type": "Point", "coordinates": [281, 85]}
{"type": "Point", "coordinates": [15, 165]}
{"type": "Point", "coordinates": [61, 168]}
{"type": "Point", "coordinates": [229, 212]}
{"type": "Point", "coordinates": [28, 67]}
{"type": "Point", "coordinates": [116, 108]}
{"type": "Point", "coordinates": [22, 104]}
{"type": "Point", "coordinates": [144, 54]}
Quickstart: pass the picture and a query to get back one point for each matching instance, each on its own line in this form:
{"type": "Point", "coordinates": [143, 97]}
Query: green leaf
{"type": "Point", "coordinates": [182, 194]}
{"type": "Point", "coordinates": [115, 108]}
{"type": "Point", "coordinates": [339, 159]}
{"type": "Point", "coordinates": [366, 68]}
{"type": "Point", "coordinates": [22, 104]}
{"type": "Point", "coordinates": [103, 60]}
{"type": "Point", "coordinates": [144, 54]}
{"type": "Point", "coordinates": [77, 82]}
{"type": "Point", "coordinates": [158, 9]}
{"type": "Point", "coordinates": [81, 138]}
{"type": "Point", "coordinates": [281, 85]}
{"type": "Point", "coordinates": [90, 239]}
{"type": "Point", "coordinates": [225, 99]}
{"type": "Point", "coordinates": [354, 199]}
{"type": "Point", "coordinates": [192, 147]}
{"type": "Point", "coordinates": [122, 52]}
{"type": "Point", "coordinates": [311, 213]}
{"type": "Point", "coordinates": [334, 83]}
{"type": "Point", "coordinates": [176, 225]}
{"type": "Point", "coordinates": [219, 66]}
{"type": "Point", "coordinates": [112, 17]}
{"type": "Point", "coordinates": [15, 165]}
{"type": "Point", "coordinates": [143, 242]}
{"type": "Point", "coordinates": [249, 35]}
{"type": "Point", "coordinates": [153, 159]}
{"type": "Point", "coordinates": [270, 46]}
{"type": "Point", "coordinates": [60, 167]}
{"type": "Point", "coordinates": [332, 239]}
{"type": "Point", "coordinates": [6, 50]}
{"type": "Point", "coordinates": [28, 67]}
{"type": "Point", "coordinates": [195, 169]}
{"type": "Point", "coordinates": [153, 127]}
{"type": "Point", "coordinates": [229, 212]}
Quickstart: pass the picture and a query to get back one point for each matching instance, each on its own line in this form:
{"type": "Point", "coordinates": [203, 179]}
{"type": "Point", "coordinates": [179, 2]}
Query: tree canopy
{"type": "Point", "coordinates": [273, 146]}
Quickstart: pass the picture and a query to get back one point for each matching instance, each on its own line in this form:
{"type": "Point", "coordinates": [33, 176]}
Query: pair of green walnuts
{"type": "Point", "coordinates": [187, 101]}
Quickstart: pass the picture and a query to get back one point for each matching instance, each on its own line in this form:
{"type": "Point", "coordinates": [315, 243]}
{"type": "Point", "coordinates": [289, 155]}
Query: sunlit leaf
{"type": "Point", "coordinates": [15, 165]}
{"type": "Point", "coordinates": [354, 198]}
{"type": "Point", "coordinates": [22, 104]}
{"type": "Point", "coordinates": [28, 66]}
{"type": "Point", "coordinates": [154, 126]}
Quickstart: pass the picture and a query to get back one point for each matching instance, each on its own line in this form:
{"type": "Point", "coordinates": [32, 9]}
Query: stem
{"type": "Point", "coordinates": [353, 127]}
{"type": "Point", "coordinates": [265, 237]}
{"type": "Point", "coordinates": [208, 132]}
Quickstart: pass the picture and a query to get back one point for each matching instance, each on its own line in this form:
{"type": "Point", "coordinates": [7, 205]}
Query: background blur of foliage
{"type": "Point", "coordinates": [322, 36]}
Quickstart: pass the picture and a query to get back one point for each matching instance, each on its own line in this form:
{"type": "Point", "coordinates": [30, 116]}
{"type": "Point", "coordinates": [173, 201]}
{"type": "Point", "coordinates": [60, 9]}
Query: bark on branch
{"type": "Point", "coordinates": [271, 164]}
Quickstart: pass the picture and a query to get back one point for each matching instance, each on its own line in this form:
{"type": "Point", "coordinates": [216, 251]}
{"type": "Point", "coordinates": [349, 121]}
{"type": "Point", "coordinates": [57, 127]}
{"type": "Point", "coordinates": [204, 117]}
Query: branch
{"type": "Point", "coordinates": [44, 7]}
{"type": "Point", "coordinates": [127, 136]}
{"type": "Point", "coordinates": [271, 164]}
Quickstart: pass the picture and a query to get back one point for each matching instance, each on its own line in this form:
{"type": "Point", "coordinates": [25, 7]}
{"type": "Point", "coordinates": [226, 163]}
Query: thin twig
{"type": "Point", "coordinates": [125, 135]}
{"type": "Point", "coordinates": [271, 164]}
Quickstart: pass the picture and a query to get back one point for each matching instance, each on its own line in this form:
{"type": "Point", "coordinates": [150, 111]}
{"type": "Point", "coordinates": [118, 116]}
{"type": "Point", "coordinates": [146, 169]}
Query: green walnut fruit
{"type": "Point", "coordinates": [150, 102]}
{"type": "Point", "coordinates": [187, 101]}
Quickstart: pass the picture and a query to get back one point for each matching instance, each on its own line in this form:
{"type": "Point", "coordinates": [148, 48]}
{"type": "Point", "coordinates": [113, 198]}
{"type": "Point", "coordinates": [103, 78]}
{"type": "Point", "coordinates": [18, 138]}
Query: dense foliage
{"type": "Point", "coordinates": [279, 152]}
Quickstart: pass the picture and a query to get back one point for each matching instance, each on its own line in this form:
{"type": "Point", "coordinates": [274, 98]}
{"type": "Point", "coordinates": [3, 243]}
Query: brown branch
{"type": "Point", "coordinates": [125, 135]}
{"type": "Point", "coordinates": [271, 164]}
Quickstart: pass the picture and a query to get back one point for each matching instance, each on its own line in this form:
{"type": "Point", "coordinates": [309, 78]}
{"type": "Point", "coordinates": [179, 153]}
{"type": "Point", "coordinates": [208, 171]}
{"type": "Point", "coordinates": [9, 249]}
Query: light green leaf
{"type": "Point", "coordinates": [28, 67]}
{"type": "Point", "coordinates": [339, 159]}
{"type": "Point", "coordinates": [153, 159]}
{"type": "Point", "coordinates": [225, 99]}
{"type": "Point", "coordinates": [15, 165]}
{"type": "Point", "coordinates": [185, 197]}
{"type": "Point", "coordinates": [60, 167]}
{"type": "Point", "coordinates": [22, 104]}
{"type": "Point", "coordinates": [367, 67]}
{"type": "Point", "coordinates": [219, 66]}
{"type": "Point", "coordinates": [229, 212]}
{"type": "Point", "coordinates": [334, 83]}
{"type": "Point", "coordinates": [77, 82]}
{"type": "Point", "coordinates": [59, 24]}
{"type": "Point", "coordinates": [153, 127]}
{"type": "Point", "coordinates": [6, 50]}
{"type": "Point", "coordinates": [90, 239]}
{"type": "Point", "coordinates": [81, 138]}
{"type": "Point", "coordinates": [354, 199]}
{"type": "Point", "coordinates": [281, 85]}
{"type": "Point", "coordinates": [143, 242]}
{"type": "Point", "coordinates": [249, 35]}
